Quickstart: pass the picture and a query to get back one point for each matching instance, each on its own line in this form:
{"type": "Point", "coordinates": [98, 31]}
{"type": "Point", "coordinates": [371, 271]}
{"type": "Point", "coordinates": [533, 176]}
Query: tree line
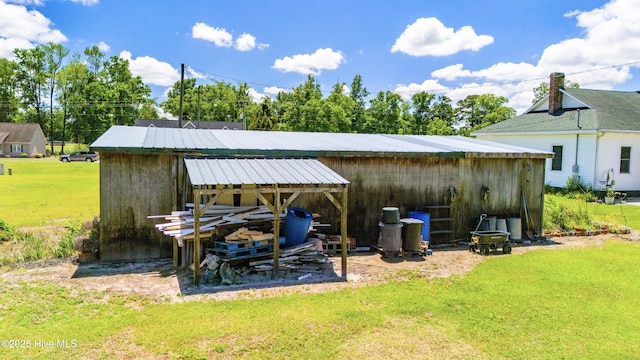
{"type": "Point", "coordinates": [77, 97]}
{"type": "Point", "coordinates": [305, 108]}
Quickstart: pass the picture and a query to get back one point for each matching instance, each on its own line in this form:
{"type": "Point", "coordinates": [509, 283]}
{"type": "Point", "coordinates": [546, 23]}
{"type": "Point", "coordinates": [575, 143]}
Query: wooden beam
{"type": "Point", "coordinates": [290, 199]}
{"type": "Point", "coordinates": [211, 201]}
{"type": "Point", "coordinates": [276, 231]}
{"type": "Point", "coordinates": [196, 241]}
{"type": "Point", "coordinates": [175, 251]}
{"type": "Point", "coordinates": [269, 190]}
{"type": "Point", "coordinates": [343, 231]}
{"type": "Point", "coordinates": [266, 202]}
{"type": "Point", "coordinates": [333, 200]}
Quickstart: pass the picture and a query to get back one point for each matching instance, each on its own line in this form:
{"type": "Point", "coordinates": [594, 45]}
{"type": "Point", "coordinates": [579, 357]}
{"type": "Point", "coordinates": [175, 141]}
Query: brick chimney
{"type": "Point", "coordinates": [556, 82]}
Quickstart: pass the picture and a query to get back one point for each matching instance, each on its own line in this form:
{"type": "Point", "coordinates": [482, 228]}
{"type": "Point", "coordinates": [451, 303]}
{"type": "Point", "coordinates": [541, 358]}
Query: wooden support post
{"type": "Point", "coordinates": [290, 199]}
{"type": "Point", "coordinates": [343, 231]}
{"type": "Point", "coordinates": [210, 203]}
{"type": "Point", "coordinates": [175, 251]}
{"type": "Point", "coordinates": [196, 240]}
{"type": "Point", "coordinates": [276, 231]}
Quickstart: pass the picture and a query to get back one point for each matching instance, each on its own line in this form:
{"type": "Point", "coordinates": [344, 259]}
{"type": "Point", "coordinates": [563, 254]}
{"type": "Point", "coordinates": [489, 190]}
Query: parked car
{"type": "Point", "coordinates": [83, 155]}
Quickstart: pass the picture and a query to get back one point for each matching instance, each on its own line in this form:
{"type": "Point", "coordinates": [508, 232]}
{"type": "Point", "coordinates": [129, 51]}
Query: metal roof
{"type": "Point", "coordinates": [603, 110]}
{"type": "Point", "coordinates": [299, 144]}
{"type": "Point", "coordinates": [261, 172]}
{"type": "Point", "coordinates": [191, 124]}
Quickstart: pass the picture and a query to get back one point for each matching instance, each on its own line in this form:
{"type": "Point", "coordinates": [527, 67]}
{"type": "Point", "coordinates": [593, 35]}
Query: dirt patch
{"type": "Point", "coordinates": [167, 283]}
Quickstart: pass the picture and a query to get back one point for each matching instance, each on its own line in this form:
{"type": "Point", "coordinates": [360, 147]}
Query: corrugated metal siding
{"type": "Point", "coordinates": [299, 144]}
{"type": "Point", "coordinates": [260, 171]}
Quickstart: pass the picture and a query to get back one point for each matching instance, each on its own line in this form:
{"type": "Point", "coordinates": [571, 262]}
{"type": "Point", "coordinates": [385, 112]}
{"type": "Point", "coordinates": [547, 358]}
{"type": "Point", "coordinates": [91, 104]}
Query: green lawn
{"type": "Point", "coordinates": [562, 304]}
{"type": "Point", "coordinates": [43, 192]}
{"type": "Point", "coordinates": [617, 214]}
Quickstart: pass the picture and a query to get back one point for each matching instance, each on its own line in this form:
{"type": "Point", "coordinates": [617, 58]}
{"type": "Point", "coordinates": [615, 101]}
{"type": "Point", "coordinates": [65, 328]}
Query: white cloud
{"type": "Point", "coordinates": [430, 37]}
{"type": "Point", "coordinates": [218, 36]}
{"type": "Point", "coordinates": [103, 46]}
{"type": "Point", "coordinates": [274, 90]}
{"type": "Point", "coordinates": [255, 96]}
{"type": "Point", "coordinates": [195, 73]}
{"type": "Point", "coordinates": [8, 45]}
{"type": "Point", "coordinates": [611, 37]}
{"type": "Point", "coordinates": [222, 38]}
{"type": "Point", "coordinates": [152, 71]}
{"type": "Point", "coordinates": [245, 42]}
{"type": "Point", "coordinates": [430, 86]}
{"type": "Point", "coordinates": [86, 2]}
{"type": "Point", "coordinates": [451, 72]}
{"type": "Point", "coordinates": [26, 2]}
{"type": "Point", "coordinates": [21, 28]}
{"type": "Point", "coordinates": [165, 115]}
{"type": "Point", "coordinates": [497, 72]}
{"type": "Point", "coordinates": [322, 59]}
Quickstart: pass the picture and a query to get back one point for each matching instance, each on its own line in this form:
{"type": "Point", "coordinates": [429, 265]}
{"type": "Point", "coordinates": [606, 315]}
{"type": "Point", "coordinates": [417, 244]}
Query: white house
{"type": "Point", "coordinates": [594, 134]}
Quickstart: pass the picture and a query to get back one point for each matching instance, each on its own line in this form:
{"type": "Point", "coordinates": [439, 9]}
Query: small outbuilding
{"type": "Point", "coordinates": [143, 172]}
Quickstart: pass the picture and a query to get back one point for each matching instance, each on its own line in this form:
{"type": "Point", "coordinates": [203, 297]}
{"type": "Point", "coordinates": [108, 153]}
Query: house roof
{"type": "Point", "coordinates": [261, 171]}
{"type": "Point", "coordinates": [592, 110]}
{"type": "Point", "coordinates": [144, 140]}
{"type": "Point", "coordinates": [19, 133]}
{"type": "Point", "coordinates": [191, 124]}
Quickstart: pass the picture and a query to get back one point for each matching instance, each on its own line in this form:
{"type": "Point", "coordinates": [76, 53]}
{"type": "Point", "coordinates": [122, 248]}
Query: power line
{"type": "Point", "coordinates": [212, 77]}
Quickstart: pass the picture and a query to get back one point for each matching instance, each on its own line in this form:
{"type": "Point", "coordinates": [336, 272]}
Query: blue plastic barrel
{"type": "Point", "coordinates": [296, 226]}
{"type": "Point", "coordinates": [426, 220]}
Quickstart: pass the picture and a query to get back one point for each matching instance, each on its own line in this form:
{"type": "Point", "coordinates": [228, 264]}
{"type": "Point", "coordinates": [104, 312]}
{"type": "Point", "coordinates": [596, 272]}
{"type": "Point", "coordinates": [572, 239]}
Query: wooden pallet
{"type": "Point", "coordinates": [244, 253]}
{"type": "Point", "coordinates": [221, 245]}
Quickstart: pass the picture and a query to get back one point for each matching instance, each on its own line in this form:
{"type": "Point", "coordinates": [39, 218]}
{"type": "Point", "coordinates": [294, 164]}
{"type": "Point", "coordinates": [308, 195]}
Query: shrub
{"type": "Point", "coordinates": [561, 217]}
{"type": "Point", "coordinates": [548, 189]}
{"type": "Point", "coordinates": [573, 184]}
{"type": "Point", "coordinates": [66, 247]}
{"type": "Point", "coordinates": [7, 233]}
{"type": "Point", "coordinates": [39, 156]}
{"type": "Point", "coordinates": [24, 155]}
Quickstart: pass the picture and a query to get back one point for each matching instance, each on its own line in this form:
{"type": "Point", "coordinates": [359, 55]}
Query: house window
{"type": "Point", "coordinates": [625, 159]}
{"type": "Point", "coordinates": [16, 148]}
{"type": "Point", "coordinates": [556, 162]}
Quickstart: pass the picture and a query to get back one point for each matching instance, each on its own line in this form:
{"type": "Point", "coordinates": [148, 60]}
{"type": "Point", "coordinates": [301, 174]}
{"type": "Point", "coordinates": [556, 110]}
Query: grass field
{"type": "Point", "coordinates": [43, 192]}
{"type": "Point", "coordinates": [546, 304]}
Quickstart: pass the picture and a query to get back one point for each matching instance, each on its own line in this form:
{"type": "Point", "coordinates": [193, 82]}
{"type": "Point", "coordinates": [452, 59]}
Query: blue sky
{"type": "Point", "coordinates": [456, 48]}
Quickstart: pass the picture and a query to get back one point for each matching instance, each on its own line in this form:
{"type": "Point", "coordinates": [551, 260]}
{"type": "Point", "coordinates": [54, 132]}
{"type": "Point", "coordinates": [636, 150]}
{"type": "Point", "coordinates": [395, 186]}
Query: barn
{"type": "Point", "coordinates": [452, 178]}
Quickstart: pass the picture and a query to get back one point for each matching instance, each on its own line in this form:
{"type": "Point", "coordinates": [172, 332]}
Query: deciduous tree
{"type": "Point", "coordinates": [9, 101]}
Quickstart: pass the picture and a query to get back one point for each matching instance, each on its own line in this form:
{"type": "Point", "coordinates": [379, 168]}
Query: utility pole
{"type": "Point", "coordinates": [181, 95]}
{"type": "Point", "coordinates": [198, 107]}
{"type": "Point", "coordinates": [244, 119]}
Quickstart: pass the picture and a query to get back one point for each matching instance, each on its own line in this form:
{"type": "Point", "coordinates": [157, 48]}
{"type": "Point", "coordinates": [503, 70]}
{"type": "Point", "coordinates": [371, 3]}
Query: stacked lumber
{"type": "Point", "coordinates": [244, 234]}
{"type": "Point", "coordinates": [299, 261]}
{"type": "Point", "coordinates": [180, 224]}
